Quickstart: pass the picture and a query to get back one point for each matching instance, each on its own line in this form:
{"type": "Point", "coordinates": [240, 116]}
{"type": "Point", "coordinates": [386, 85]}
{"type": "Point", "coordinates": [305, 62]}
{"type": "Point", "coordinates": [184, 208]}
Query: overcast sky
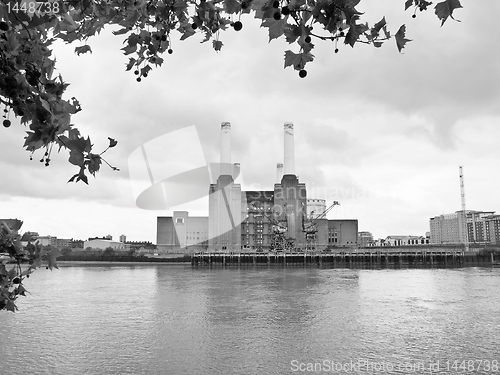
{"type": "Point", "coordinates": [383, 133]}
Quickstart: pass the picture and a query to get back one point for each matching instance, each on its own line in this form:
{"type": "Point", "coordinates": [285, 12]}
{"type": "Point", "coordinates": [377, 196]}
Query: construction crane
{"type": "Point", "coordinates": [464, 218]}
{"type": "Point", "coordinates": [309, 226]}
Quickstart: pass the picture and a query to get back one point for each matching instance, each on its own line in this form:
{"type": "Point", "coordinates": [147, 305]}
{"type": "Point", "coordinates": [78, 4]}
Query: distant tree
{"type": "Point", "coordinates": [28, 30]}
{"type": "Point", "coordinates": [11, 279]}
{"type": "Point", "coordinates": [66, 250]}
{"type": "Point", "coordinates": [109, 251]}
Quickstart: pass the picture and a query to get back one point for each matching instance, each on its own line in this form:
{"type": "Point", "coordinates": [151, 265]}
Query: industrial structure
{"type": "Point", "coordinates": [278, 220]}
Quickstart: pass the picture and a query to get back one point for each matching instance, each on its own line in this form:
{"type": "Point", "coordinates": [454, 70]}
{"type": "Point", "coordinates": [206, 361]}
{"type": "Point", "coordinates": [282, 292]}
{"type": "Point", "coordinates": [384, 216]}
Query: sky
{"type": "Point", "coordinates": [381, 132]}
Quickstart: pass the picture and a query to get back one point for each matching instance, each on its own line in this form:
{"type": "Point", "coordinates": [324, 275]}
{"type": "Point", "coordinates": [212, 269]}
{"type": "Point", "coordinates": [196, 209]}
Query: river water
{"type": "Point", "coordinates": [173, 319]}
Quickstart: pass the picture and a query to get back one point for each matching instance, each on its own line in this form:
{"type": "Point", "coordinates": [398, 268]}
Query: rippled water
{"type": "Point", "coordinates": [172, 319]}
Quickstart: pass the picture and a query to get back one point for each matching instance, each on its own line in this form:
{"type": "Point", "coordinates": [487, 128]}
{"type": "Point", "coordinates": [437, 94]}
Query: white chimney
{"type": "Point", "coordinates": [289, 167]}
{"type": "Point", "coordinates": [236, 173]}
{"type": "Point", "coordinates": [279, 172]}
{"type": "Point", "coordinates": [225, 149]}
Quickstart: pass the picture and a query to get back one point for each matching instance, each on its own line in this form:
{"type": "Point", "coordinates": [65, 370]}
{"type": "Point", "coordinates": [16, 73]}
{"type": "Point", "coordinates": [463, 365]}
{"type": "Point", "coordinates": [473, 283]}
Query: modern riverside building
{"type": "Point", "coordinates": [281, 219]}
{"type": "Point", "coordinates": [493, 225]}
{"type": "Point", "coordinates": [482, 227]}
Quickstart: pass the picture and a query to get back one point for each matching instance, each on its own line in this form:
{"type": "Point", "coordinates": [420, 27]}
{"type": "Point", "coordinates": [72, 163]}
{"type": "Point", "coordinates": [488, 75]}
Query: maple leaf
{"type": "Point", "coordinates": [36, 260]}
{"type": "Point", "coordinates": [400, 38]}
{"type": "Point", "coordinates": [145, 71]}
{"type": "Point", "coordinates": [354, 32]}
{"type": "Point", "coordinates": [52, 257]}
{"type": "Point", "coordinates": [80, 144]}
{"type": "Point", "coordinates": [276, 27]}
{"type": "Point", "coordinates": [409, 3]}
{"type": "Point", "coordinates": [387, 33]}
{"type": "Point", "coordinates": [76, 157]}
{"type": "Point", "coordinates": [112, 142]}
{"type": "Point", "coordinates": [131, 63]}
{"type": "Point", "coordinates": [94, 163]}
{"type": "Point", "coordinates": [376, 28]}
{"type": "Point", "coordinates": [12, 273]}
{"type": "Point", "coordinates": [11, 306]}
{"type": "Point", "coordinates": [297, 60]}
{"type": "Point", "coordinates": [232, 6]}
{"type": "Point", "coordinates": [186, 32]}
{"type": "Point", "coordinates": [217, 44]}
{"type": "Point", "coordinates": [83, 49]}
{"type": "Point", "coordinates": [131, 48]}
{"type": "Point", "coordinates": [423, 5]}
{"type": "Point", "coordinates": [292, 32]}
{"type": "Point", "coordinates": [445, 9]}
{"type": "Point", "coordinates": [21, 290]}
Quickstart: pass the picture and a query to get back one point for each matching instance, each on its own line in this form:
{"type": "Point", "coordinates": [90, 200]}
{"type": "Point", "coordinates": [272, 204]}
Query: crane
{"type": "Point", "coordinates": [464, 219]}
{"type": "Point", "coordinates": [309, 226]}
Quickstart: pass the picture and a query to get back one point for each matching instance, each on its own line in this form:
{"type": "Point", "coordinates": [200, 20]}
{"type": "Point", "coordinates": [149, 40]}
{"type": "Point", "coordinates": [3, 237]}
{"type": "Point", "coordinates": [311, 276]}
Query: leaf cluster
{"type": "Point", "coordinates": [149, 27]}
{"type": "Point", "coordinates": [30, 258]}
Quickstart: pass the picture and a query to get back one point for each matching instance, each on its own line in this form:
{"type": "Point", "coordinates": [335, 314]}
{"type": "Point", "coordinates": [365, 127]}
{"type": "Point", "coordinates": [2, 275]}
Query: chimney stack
{"type": "Point", "coordinates": [225, 149]}
{"type": "Point", "coordinates": [289, 150]}
{"type": "Point", "coordinates": [279, 172]}
{"type": "Point", "coordinates": [236, 173]}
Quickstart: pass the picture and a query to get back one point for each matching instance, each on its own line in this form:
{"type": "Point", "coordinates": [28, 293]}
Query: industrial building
{"type": "Point", "coordinates": [280, 220]}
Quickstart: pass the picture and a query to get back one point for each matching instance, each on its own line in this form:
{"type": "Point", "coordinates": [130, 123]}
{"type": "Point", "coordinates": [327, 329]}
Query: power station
{"type": "Point", "coordinates": [278, 220]}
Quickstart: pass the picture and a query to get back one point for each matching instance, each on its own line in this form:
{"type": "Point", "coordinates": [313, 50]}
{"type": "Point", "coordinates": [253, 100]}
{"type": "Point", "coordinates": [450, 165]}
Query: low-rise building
{"type": "Point", "coordinates": [406, 240]}
{"type": "Point", "coordinates": [181, 233]}
{"type": "Point", "coordinates": [103, 244]}
{"type": "Point", "coordinates": [342, 233]}
{"type": "Point", "coordinates": [365, 239]}
{"type": "Point", "coordinates": [76, 244]}
{"type": "Point", "coordinates": [47, 240]}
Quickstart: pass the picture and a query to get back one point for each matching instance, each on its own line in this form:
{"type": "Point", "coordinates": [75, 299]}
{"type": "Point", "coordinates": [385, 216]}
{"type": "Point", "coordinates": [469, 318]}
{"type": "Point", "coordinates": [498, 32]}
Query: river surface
{"type": "Point", "coordinates": [172, 319]}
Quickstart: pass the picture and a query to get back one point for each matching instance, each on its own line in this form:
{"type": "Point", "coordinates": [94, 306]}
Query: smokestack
{"type": "Point", "coordinates": [279, 172]}
{"type": "Point", "coordinates": [225, 149]}
{"type": "Point", "coordinates": [236, 173]}
{"type": "Point", "coordinates": [289, 150]}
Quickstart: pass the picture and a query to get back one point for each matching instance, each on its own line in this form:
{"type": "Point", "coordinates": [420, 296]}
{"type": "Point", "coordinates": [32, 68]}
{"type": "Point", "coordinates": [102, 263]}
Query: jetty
{"type": "Point", "coordinates": [350, 258]}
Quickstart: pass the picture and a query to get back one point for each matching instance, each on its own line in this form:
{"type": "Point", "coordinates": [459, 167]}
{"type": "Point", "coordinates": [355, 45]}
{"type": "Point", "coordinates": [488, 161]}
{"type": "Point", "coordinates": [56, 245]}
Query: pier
{"type": "Point", "coordinates": [359, 258]}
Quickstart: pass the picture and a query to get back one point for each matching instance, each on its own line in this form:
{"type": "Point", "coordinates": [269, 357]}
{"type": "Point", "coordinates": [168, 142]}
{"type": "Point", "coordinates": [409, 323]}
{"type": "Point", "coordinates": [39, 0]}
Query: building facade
{"type": "Point", "coordinates": [493, 227]}
{"type": "Point", "coordinates": [181, 233]}
{"type": "Point", "coordinates": [103, 244]}
{"type": "Point", "coordinates": [473, 226]}
{"type": "Point", "coordinates": [342, 233]}
{"type": "Point", "coordinates": [365, 239]}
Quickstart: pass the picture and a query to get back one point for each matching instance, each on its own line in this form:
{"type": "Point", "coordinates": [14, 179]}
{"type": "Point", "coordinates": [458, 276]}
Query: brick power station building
{"type": "Point", "coordinates": [282, 219]}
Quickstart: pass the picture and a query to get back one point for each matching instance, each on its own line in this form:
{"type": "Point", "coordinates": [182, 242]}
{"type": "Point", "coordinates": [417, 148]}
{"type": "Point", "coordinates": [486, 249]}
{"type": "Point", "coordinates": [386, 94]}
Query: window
{"type": "Point", "coordinates": [179, 220]}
